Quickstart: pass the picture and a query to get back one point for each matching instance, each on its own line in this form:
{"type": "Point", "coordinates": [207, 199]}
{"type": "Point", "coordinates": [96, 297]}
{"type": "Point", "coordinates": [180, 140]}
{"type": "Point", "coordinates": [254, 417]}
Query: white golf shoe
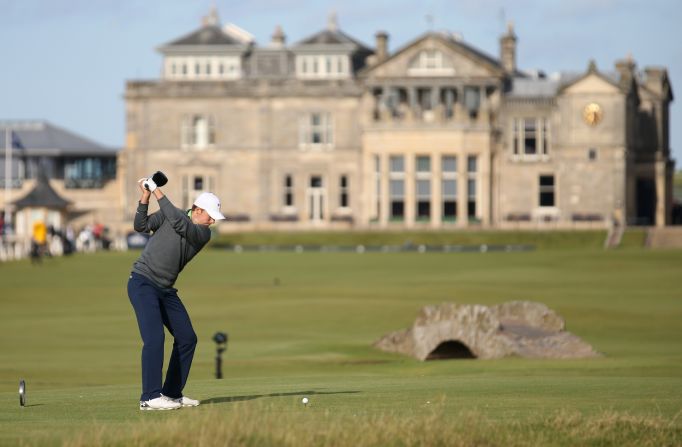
{"type": "Point", "coordinates": [184, 401]}
{"type": "Point", "coordinates": [160, 403]}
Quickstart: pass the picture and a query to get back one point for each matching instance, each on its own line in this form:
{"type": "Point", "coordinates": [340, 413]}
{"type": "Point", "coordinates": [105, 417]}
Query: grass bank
{"type": "Point", "coordinates": [542, 240]}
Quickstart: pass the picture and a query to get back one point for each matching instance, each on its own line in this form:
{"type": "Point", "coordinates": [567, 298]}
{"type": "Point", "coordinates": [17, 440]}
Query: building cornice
{"type": "Point", "coordinates": [244, 88]}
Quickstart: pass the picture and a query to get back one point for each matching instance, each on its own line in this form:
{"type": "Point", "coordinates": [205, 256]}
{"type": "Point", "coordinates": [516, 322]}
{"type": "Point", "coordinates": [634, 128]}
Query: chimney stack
{"type": "Point", "coordinates": [278, 38]}
{"type": "Point", "coordinates": [508, 49]}
{"type": "Point", "coordinates": [626, 69]}
{"type": "Point", "coordinates": [381, 46]}
{"type": "Point", "coordinates": [655, 79]}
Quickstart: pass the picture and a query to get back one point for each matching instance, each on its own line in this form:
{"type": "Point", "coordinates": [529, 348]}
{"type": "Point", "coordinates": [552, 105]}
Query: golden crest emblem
{"type": "Point", "coordinates": [593, 114]}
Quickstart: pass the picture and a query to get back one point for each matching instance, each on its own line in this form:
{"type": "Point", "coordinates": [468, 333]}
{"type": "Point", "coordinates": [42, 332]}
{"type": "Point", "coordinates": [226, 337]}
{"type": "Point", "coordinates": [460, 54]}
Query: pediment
{"type": "Point", "coordinates": [436, 56]}
{"type": "Point", "coordinates": [592, 83]}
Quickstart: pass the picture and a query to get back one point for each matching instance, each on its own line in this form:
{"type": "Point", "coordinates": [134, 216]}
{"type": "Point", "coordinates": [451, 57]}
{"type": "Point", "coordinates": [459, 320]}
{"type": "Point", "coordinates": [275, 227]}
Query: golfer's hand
{"type": "Point", "coordinates": [145, 192]}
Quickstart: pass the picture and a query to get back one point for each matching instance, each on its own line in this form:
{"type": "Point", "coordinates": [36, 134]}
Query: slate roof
{"type": "Point", "coordinates": [42, 195]}
{"type": "Point", "coordinates": [43, 138]}
{"type": "Point", "coordinates": [478, 53]}
{"type": "Point", "coordinates": [206, 35]}
{"type": "Point", "coordinates": [547, 87]}
{"type": "Point", "coordinates": [533, 87]}
{"type": "Point", "coordinates": [333, 37]}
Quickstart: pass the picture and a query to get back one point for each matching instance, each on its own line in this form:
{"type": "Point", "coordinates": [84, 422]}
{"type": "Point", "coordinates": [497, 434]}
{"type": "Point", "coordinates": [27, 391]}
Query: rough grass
{"type": "Point", "coordinates": [302, 427]}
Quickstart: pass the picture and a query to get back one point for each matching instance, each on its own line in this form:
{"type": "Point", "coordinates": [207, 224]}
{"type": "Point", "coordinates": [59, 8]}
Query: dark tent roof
{"type": "Point", "coordinates": [42, 195]}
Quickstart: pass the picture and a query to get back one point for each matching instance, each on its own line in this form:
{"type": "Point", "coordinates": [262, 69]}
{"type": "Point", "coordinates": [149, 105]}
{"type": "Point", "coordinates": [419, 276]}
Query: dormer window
{"type": "Point", "coordinates": [202, 68]}
{"type": "Point", "coordinates": [320, 66]}
{"type": "Point", "coordinates": [431, 63]}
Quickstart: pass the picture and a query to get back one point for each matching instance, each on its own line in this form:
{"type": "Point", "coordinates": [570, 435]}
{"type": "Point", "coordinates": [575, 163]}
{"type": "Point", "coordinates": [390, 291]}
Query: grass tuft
{"type": "Point", "coordinates": [263, 425]}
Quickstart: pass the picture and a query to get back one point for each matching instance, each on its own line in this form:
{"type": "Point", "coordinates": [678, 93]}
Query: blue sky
{"type": "Point", "coordinates": [68, 61]}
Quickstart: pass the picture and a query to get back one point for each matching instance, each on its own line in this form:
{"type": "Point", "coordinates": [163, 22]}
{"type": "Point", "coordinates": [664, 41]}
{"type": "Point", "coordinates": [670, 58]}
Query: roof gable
{"type": "Point", "coordinates": [592, 82]}
{"type": "Point", "coordinates": [458, 59]}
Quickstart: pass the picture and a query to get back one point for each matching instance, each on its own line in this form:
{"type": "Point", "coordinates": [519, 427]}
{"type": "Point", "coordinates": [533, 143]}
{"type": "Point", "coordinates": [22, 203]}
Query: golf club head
{"type": "Point", "coordinates": [159, 178]}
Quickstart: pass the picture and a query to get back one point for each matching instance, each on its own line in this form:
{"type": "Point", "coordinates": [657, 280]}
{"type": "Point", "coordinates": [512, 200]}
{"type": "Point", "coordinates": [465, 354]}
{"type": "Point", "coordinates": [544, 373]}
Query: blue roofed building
{"type": "Point", "coordinates": [56, 176]}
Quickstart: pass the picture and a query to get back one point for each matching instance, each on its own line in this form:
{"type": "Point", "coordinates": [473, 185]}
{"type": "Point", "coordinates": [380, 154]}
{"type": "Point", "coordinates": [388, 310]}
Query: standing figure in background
{"type": "Point", "coordinates": [38, 241]}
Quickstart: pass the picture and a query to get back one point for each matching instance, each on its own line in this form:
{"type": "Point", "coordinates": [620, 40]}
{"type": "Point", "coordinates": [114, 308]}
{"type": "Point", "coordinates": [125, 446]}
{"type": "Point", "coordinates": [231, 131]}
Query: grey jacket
{"type": "Point", "coordinates": [175, 241]}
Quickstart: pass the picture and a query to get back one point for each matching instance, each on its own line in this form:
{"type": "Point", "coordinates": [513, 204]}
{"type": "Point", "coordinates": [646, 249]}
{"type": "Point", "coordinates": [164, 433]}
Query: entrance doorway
{"type": "Point", "coordinates": [646, 201]}
{"type": "Point", "coordinates": [316, 198]}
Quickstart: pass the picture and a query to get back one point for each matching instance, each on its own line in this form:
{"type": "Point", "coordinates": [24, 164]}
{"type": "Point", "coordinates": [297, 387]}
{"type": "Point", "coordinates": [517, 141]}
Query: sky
{"type": "Point", "coordinates": [67, 61]}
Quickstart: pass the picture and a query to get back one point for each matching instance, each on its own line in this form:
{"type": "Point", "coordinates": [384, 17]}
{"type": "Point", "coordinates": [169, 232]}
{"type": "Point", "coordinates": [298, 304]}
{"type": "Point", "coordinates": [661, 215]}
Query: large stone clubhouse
{"type": "Point", "coordinates": [330, 133]}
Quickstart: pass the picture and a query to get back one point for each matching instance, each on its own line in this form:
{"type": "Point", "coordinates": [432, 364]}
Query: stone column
{"type": "Point", "coordinates": [436, 191]}
{"type": "Point", "coordinates": [385, 196]}
{"type": "Point", "coordinates": [375, 112]}
{"type": "Point", "coordinates": [412, 99]}
{"type": "Point", "coordinates": [436, 106]}
{"type": "Point", "coordinates": [459, 110]}
{"type": "Point", "coordinates": [660, 169]}
{"type": "Point", "coordinates": [367, 201]}
{"type": "Point", "coordinates": [483, 182]}
{"type": "Point", "coordinates": [483, 108]}
{"type": "Point", "coordinates": [410, 196]}
{"type": "Point", "coordinates": [384, 112]}
{"type": "Point", "coordinates": [449, 102]}
{"type": "Point", "coordinates": [462, 199]}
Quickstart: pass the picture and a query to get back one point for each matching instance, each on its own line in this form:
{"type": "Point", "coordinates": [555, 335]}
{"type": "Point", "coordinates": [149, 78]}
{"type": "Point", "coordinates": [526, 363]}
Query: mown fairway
{"type": "Point", "coordinates": [302, 324]}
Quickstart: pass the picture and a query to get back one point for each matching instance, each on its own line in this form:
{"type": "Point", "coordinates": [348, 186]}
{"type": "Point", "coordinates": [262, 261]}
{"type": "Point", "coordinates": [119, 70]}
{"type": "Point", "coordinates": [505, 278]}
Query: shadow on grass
{"type": "Point", "coordinates": [219, 400]}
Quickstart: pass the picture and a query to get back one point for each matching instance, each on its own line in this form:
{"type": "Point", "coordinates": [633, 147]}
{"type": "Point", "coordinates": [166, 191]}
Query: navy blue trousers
{"type": "Point", "coordinates": [156, 307]}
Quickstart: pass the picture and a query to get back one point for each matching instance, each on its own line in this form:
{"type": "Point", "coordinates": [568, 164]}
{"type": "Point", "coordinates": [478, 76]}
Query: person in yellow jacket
{"type": "Point", "coordinates": [38, 243]}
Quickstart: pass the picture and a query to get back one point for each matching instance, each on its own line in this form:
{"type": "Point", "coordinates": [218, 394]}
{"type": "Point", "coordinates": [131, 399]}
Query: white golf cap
{"type": "Point", "coordinates": [211, 203]}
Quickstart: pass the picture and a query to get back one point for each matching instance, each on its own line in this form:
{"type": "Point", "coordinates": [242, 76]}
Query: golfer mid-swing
{"type": "Point", "coordinates": [177, 237]}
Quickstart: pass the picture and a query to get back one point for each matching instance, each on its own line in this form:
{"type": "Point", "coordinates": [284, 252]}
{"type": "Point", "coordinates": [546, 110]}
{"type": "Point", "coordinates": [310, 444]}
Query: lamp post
{"type": "Point", "coordinates": [220, 339]}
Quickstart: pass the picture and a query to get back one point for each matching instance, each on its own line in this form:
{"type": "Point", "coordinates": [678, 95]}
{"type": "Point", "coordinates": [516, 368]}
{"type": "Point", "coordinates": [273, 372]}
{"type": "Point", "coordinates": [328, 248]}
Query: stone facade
{"type": "Point", "coordinates": [328, 133]}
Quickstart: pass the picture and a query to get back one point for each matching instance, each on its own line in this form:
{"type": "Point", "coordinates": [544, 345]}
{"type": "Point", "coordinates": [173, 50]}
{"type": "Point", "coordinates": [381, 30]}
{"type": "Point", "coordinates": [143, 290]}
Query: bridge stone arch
{"type": "Point", "coordinates": [450, 349]}
{"type": "Point", "coordinates": [516, 328]}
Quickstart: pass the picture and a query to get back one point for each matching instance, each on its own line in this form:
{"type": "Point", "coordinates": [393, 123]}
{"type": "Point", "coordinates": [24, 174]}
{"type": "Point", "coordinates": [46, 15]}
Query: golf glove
{"type": "Point", "coordinates": [149, 185]}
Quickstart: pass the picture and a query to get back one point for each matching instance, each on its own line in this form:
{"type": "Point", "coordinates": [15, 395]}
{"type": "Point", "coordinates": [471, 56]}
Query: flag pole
{"type": "Point", "coordinates": [8, 176]}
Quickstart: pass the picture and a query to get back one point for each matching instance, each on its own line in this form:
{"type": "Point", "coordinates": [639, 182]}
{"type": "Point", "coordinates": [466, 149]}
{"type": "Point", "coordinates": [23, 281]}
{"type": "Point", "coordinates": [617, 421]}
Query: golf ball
{"type": "Point", "coordinates": [304, 401]}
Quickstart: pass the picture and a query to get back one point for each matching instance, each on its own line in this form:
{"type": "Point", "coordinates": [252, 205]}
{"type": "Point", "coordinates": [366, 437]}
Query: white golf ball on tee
{"type": "Point", "coordinates": [304, 401]}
